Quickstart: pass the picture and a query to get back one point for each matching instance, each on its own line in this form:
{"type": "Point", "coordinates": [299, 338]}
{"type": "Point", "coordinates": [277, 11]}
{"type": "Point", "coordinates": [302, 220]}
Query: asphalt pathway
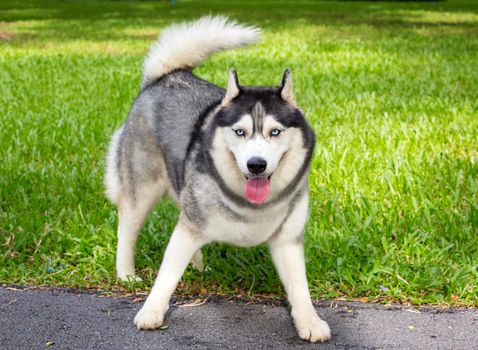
{"type": "Point", "coordinates": [36, 319]}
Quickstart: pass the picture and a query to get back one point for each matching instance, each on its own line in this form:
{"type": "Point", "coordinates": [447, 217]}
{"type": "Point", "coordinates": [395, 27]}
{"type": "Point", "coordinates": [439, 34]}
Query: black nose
{"type": "Point", "coordinates": [256, 165]}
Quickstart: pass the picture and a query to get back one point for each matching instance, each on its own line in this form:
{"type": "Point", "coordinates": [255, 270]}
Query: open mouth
{"type": "Point", "coordinates": [257, 189]}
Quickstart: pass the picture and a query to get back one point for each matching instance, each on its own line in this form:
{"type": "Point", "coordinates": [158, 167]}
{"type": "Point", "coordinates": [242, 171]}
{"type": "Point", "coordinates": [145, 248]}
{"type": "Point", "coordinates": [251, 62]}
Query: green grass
{"type": "Point", "coordinates": [390, 88]}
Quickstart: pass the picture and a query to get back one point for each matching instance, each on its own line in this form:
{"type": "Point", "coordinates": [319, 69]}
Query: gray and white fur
{"type": "Point", "coordinates": [236, 162]}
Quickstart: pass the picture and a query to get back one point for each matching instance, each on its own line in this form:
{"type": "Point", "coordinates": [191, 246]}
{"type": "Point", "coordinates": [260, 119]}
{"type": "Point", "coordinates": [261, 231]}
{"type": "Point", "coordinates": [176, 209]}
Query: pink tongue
{"type": "Point", "coordinates": [257, 190]}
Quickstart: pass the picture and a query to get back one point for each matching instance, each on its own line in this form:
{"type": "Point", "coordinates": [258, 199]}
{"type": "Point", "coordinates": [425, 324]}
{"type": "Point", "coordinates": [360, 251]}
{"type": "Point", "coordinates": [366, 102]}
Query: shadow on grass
{"type": "Point", "coordinates": [62, 21]}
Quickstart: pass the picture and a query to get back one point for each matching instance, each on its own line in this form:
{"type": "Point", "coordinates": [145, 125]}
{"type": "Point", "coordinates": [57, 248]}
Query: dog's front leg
{"type": "Point", "coordinates": [181, 247]}
{"type": "Point", "coordinates": [288, 257]}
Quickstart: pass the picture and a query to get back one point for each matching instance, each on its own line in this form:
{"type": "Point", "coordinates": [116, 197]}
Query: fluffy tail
{"type": "Point", "coordinates": [186, 45]}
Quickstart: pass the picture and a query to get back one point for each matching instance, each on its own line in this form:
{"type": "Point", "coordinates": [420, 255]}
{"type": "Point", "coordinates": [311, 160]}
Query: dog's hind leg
{"type": "Point", "coordinates": [130, 222]}
{"type": "Point", "coordinates": [136, 179]}
{"type": "Point", "coordinates": [132, 212]}
{"type": "Point", "coordinates": [131, 217]}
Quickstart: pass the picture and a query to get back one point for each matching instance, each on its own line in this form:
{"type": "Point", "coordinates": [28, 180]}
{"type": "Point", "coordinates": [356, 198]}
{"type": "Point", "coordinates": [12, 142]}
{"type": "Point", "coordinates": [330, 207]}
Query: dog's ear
{"type": "Point", "coordinates": [233, 88]}
{"type": "Point", "coordinates": [285, 89]}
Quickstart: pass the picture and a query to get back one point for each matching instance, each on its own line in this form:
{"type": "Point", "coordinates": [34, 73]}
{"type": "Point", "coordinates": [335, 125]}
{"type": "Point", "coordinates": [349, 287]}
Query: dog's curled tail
{"type": "Point", "coordinates": [186, 45]}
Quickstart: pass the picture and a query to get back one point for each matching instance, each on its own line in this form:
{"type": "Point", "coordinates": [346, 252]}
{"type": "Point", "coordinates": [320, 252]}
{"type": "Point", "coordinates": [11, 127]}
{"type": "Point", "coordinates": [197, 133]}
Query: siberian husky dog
{"type": "Point", "coordinates": [236, 162]}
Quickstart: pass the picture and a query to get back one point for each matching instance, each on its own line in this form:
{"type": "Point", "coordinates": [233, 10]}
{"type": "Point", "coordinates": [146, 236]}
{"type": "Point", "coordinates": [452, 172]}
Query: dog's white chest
{"type": "Point", "coordinates": [246, 232]}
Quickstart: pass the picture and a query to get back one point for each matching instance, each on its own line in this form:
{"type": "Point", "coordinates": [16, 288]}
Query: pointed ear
{"type": "Point", "coordinates": [233, 88]}
{"type": "Point", "coordinates": [285, 89]}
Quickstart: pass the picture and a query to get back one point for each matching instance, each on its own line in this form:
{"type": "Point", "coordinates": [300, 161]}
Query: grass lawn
{"type": "Point", "coordinates": [391, 90]}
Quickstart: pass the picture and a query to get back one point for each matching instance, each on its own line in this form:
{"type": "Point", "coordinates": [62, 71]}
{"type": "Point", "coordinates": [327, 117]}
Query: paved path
{"type": "Point", "coordinates": [35, 319]}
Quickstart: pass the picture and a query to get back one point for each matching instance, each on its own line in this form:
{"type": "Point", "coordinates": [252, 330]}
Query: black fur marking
{"type": "Point", "coordinates": [197, 130]}
{"type": "Point", "coordinates": [193, 211]}
{"type": "Point", "coordinates": [285, 77]}
{"type": "Point", "coordinates": [231, 213]}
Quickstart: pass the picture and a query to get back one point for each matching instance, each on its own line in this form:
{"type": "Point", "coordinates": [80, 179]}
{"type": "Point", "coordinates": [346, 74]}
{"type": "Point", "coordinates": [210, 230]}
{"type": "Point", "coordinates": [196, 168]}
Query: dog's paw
{"type": "Point", "coordinates": [148, 318]}
{"type": "Point", "coordinates": [129, 278]}
{"type": "Point", "coordinates": [313, 329]}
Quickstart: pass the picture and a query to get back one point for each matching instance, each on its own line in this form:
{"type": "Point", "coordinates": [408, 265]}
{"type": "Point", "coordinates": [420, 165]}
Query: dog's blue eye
{"type": "Point", "coordinates": [240, 132]}
{"type": "Point", "coordinates": [275, 132]}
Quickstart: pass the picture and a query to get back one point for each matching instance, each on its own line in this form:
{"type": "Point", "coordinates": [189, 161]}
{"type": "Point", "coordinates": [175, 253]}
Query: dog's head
{"type": "Point", "coordinates": [262, 143]}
